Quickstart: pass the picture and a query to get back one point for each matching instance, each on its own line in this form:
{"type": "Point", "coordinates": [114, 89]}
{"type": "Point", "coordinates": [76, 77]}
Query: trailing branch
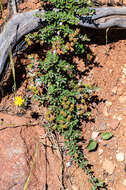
{"type": "Point", "coordinates": [23, 23]}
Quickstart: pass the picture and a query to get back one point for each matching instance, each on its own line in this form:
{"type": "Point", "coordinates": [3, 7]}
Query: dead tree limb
{"type": "Point", "coordinates": [16, 28]}
{"type": "Point", "coordinates": [22, 23]}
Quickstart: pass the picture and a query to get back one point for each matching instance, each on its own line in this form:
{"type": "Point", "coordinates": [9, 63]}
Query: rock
{"type": "Point", "coordinates": [120, 156]}
{"type": "Point", "coordinates": [114, 117]}
{"type": "Point", "coordinates": [114, 90]}
{"type": "Point", "coordinates": [124, 182]}
{"type": "Point", "coordinates": [99, 140]}
{"type": "Point", "coordinates": [122, 99]}
{"type": "Point", "coordinates": [108, 166]}
{"type": "Point", "coordinates": [100, 152]}
{"type": "Point", "coordinates": [69, 164]}
{"type": "Point", "coordinates": [13, 165]}
{"type": "Point", "coordinates": [124, 71]}
{"type": "Point", "coordinates": [108, 104]}
{"type": "Point", "coordinates": [12, 121]}
{"type": "Point", "coordinates": [119, 118]}
{"type": "Point", "coordinates": [123, 76]}
{"type": "Point", "coordinates": [17, 150]}
{"type": "Point", "coordinates": [123, 81]}
{"type": "Point", "coordinates": [94, 135]}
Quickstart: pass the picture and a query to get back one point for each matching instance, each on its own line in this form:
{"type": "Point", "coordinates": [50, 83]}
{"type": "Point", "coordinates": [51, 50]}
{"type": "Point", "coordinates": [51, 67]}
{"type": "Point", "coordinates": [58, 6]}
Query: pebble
{"type": "Point", "coordinates": [99, 140]}
{"type": "Point", "coordinates": [123, 76]}
{"type": "Point", "coordinates": [100, 152]}
{"type": "Point", "coordinates": [69, 164]}
{"type": "Point", "coordinates": [123, 81]}
{"type": "Point", "coordinates": [124, 71]}
{"type": "Point", "coordinates": [114, 117]}
{"type": "Point", "coordinates": [120, 156]}
{"type": "Point", "coordinates": [124, 182]}
{"type": "Point", "coordinates": [108, 166]}
{"type": "Point", "coordinates": [108, 104]}
{"type": "Point", "coordinates": [119, 118]}
{"type": "Point", "coordinates": [94, 135]}
{"type": "Point", "coordinates": [114, 90]}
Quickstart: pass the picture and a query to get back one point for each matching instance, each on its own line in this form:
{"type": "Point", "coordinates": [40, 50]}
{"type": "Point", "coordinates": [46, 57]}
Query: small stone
{"type": "Point", "coordinates": [114, 90]}
{"type": "Point", "coordinates": [94, 135]}
{"type": "Point", "coordinates": [120, 156]}
{"type": "Point", "coordinates": [68, 164]}
{"type": "Point", "coordinates": [123, 76]}
{"type": "Point", "coordinates": [99, 140]}
{"type": "Point", "coordinates": [124, 71]}
{"type": "Point", "coordinates": [108, 104]}
{"type": "Point", "coordinates": [124, 182]}
{"type": "Point", "coordinates": [114, 117]}
{"type": "Point", "coordinates": [100, 152]}
{"type": "Point", "coordinates": [111, 71]}
{"type": "Point", "coordinates": [122, 99]}
{"type": "Point", "coordinates": [108, 166]}
{"type": "Point", "coordinates": [123, 81]}
{"type": "Point", "coordinates": [119, 118]}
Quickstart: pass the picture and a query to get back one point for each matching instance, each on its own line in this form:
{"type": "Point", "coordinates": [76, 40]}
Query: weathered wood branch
{"type": "Point", "coordinates": [105, 18]}
{"type": "Point", "coordinates": [17, 27]}
{"type": "Point", "coordinates": [23, 23]}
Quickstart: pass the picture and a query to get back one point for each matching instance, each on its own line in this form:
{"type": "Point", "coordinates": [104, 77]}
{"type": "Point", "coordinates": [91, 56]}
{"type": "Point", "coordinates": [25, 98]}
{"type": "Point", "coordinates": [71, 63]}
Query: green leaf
{"type": "Point", "coordinates": [106, 135]}
{"type": "Point", "coordinates": [92, 145]}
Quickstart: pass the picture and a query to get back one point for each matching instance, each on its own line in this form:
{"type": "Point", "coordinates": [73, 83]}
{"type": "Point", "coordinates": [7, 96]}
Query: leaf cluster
{"type": "Point", "coordinates": [55, 79]}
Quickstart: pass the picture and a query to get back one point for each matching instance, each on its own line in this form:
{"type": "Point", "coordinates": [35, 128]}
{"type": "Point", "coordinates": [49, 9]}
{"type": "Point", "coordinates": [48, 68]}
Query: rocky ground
{"type": "Point", "coordinates": [27, 150]}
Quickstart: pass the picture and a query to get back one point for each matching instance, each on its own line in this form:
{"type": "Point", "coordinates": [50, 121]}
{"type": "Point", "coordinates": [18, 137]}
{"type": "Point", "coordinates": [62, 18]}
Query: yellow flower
{"type": "Point", "coordinates": [85, 95]}
{"type": "Point", "coordinates": [78, 107]}
{"type": "Point", "coordinates": [82, 101]}
{"type": "Point", "coordinates": [72, 106]}
{"type": "Point", "coordinates": [18, 101]}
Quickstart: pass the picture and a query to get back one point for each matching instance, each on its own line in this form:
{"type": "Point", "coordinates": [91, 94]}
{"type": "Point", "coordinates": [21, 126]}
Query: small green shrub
{"type": "Point", "coordinates": [55, 77]}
